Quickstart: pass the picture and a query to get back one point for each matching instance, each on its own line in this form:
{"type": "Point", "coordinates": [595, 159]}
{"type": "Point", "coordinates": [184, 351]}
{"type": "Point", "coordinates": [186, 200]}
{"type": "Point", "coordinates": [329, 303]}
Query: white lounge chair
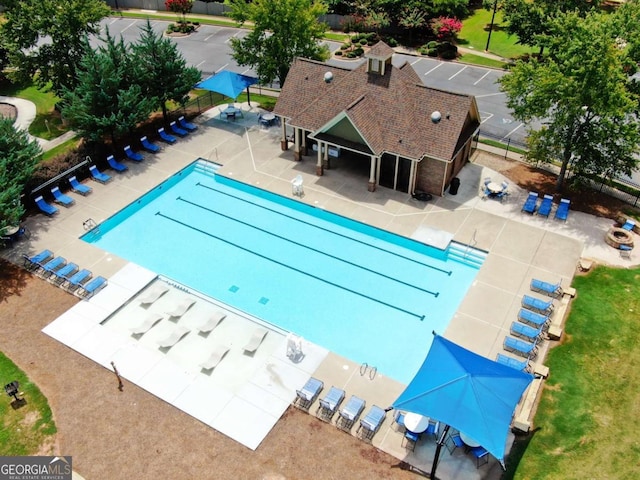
{"type": "Point", "coordinates": [146, 324]}
{"type": "Point", "coordinates": [212, 322]}
{"type": "Point", "coordinates": [296, 186]}
{"type": "Point", "coordinates": [181, 308]}
{"type": "Point", "coordinates": [256, 340]}
{"type": "Point", "coordinates": [216, 356]}
{"type": "Point", "coordinates": [153, 294]}
{"type": "Point", "coordinates": [294, 346]}
{"type": "Point", "coordinates": [174, 337]}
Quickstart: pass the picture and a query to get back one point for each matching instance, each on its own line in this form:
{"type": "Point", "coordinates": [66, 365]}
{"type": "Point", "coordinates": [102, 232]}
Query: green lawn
{"type": "Point", "coordinates": [480, 60]}
{"type": "Point", "coordinates": [473, 35]}
{"type": "Point", "coordinates": [23, 430]}
{"type": "Point", "coordinates": [588, 419]}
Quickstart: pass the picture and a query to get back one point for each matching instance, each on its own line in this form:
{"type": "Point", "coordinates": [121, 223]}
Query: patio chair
{"type": "Point", "coordinates": [453, 441]}
{"type": "Point", "coordinates": [532, 318]}
{"type": "Point", "coordinates": [116, 165]}
{"type": "Point", "coordinates": [255, 341]}
{"type": "Point", "coordinates": [64, 273]}
{"type": "Point", "coordinates": [147, 324]}
{"type": "Point", "coordinates": [371, 423]}
{"type": "Point", "coordinates": [131, 155]}
{"type": "Point", "coordinates": [191, 127]}
{"type": "Point", "coordinates": [89, 289]}
{"type": "Point", "coordinates": [153, 294]}
{"type": "Point", "coordinates": [173, 338]}
{"type": "Point", "coordinates": [526, 332]}
{"type": "Point", "coordinates": [217, 354]}
{"type": "Point", "coordinates": [212, 322]}
{"type": "Point", "coordinates": [562, 213]}
{"type": "Point", "coordinates": [329, 404]}
{"type": "Point", "coordinates": [550, 289]}
{"type": "Point", "coordinates": [308, 394]}
{"type": "Point", "coordinates": [628, 225]}
{"type": "Point", "coordinates": [76, 280]}
{"type": "Point", "coordinates": [61, 198]}
{"type": "Point", "coordinates": [78, 187]}
{"type": "Point", "coordinates": [181, 308]}
{"type": "Point", "coordinates": [537, 304]}
{"type": "Point", "coordinates": [348, 415]}
{"type": "Point", "coordinates": [625, 251]}
{"type": "Point", "coordinates": [520, 347]}
{"type": "Point", "coordinates": [432, 428]}
{"type": "Point", "coordinates": [166, 137]}
{"type": "Point", "coordinates": [33, 262]}
{"type": "Point", "coordinates": [410, 439]}
{"type": "Point", "coordinates": [148, 146]}
{"type": "Point", "coordinates": [481, 455]}
{"type": "Point", "coordinates": [296, 186]}
{"type": "Point", "coordinates": [545, 206]}
{"type": "Point", "coordinates": [294, 347]}
{"type": "Point", "coordinates": [97, 175]}
{"type": "Point", "coordinates": [45, 207]}
{"type": "Point", "coordinates": [398, 420]}
{"type": "Point", "coordinates": [51, 266]}
{"type": "Point", "coordinates": [530, 203]}
{"type": "Point", "coordinates": [177, 130]}
{"type": "Point", "coordinates": [521, 365]}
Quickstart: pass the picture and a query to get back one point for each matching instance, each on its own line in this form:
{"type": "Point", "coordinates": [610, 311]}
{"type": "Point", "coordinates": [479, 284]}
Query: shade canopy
{"type": "Point", "coordinates": [469, 392]}
{"type": "Point", "coordinates": [227, 83]}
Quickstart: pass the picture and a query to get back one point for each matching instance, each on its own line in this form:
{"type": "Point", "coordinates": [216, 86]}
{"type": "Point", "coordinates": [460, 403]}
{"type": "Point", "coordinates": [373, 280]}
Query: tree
{"type": "Point", "coordinates": [412, 18]}
{"type": "Point", "coordinates": [46, 37]}
{"type": "Point", "coordinates": [581, 94]}
{"type": "Point", "coordinates": [18, 159]}
{"type": "Point", "coordinates": [107, 100]}
{"type": "Point", "coordinates": [181, 7]}
{"type": "Point", "coordinates": [161, 70]}
{"type": "Point", "coordinates": [283, 30]}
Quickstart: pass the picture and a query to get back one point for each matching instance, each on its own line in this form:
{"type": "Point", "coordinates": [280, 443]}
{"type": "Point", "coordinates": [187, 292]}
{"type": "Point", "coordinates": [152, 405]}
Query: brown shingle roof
{"type": "Point", "coordinates": [392, 112]}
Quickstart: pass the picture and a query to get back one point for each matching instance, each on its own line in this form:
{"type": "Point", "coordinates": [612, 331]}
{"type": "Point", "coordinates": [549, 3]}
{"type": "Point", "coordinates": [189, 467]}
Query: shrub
{"type": "Point", "coordinates": [351, 55]}
{"type": "Point", "coordinates": [359, 52]}
{"type": "Point", "coordinates": [344, 46]}
{"type": "Point", "coordinates": [445, 28]}
{"type": "Point", "coordinates": [447, 50]}
{"type": "Point", "coordinates": [392, 42]}
{"type": "Point", "coordinates": [432, 44]}
{"type": "Point", "coordinates": [338, 53]}
{"type": "Point", "coordinates": [432, 52]}
{"type": "Point", "coordinates": [363, 42]}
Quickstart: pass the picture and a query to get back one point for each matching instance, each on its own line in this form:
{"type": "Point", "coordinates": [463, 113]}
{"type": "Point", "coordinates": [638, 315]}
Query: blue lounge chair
{"type": "Point", "coordinates": [532, 318]}
{"type": "Point", "coordinates": [549, 289]}
{"type": "Point", "coordinates": [350, 413]}
{"type": "Point", "coordinates": [91, 288]}
{"type": "Point", "coordinates": [97, 175]}
{"type": "Point", "coordinates": [526, 332]}
{"type": "Point", "coordinates": [521, 365]}
{"type": "Point", "coordinates": [148, 146]}
{"type": "Point", "coordinates": [76, 280]}
{"type": "Point", "coordinates": [329, 404]}
{"type": "Point", "coordinates": [530, 204]}
{"type": "Point", "coordinates": [187, 125]}
{"type": "Point", "coordinates": [64, 273]}
{"type": "Point", "coordinates": [78, 187]}
{"type": "Point", "coordinates": [177, 130]}
{"type": "Point", "coordinates": [131, 155]}
{"type": "Point", "coordinates": [116, 165]}
{"type": "Point", "coordinates": [537, 304]}
{"type": "Point", "coordinates": [33, 262]}
{"type": "Point", "coordinates": [371, 423]}
{"type": "Point", "coordinates": [520, 347]}
{"type": "Point", "coordinates": [308, 394]}
{"type": "Point", "coordinates": [628, 225]}
{"type": "Point", "coordinates": [45, 207]}
{"type": "Point", "coordinates": [166, 137]}
{"type": "Point", "coordinates": [61, 198]}
{"type": "Point", "coordinates": [51, 266]}
{"type": "Point", "coordinates": [545, 206]}
{"type": "Point", "coordinates": [563, 210]}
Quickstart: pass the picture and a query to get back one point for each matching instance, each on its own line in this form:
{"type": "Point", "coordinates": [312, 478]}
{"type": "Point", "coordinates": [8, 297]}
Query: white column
{"type": "Point", "coordinates": [296, 144]}
{"type": "Point", "coordinates": [319, 170]}
{"type": "Point", "coordinates": [372, 174]}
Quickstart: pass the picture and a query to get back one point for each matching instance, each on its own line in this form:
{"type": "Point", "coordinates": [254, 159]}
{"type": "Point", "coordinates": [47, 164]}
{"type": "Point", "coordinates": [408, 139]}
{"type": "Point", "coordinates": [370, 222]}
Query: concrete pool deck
{"type": "Point", "coordinates": [520, 247]}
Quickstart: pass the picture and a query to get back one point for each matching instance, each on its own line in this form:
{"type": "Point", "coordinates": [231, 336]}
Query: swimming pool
{"type": "Point", "coordinates": [359, 291]}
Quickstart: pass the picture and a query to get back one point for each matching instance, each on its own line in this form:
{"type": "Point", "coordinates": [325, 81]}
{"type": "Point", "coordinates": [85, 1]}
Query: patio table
{"type": "Point", "coordinates": [468, 441]}
{"type": "Point", "coordinates": [415, 423]}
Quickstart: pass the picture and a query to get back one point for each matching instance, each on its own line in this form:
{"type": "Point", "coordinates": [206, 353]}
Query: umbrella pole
{"type": "Point", "coordinates": [248, 97]}
{"type": "Point", "coordinates": [436, 457]}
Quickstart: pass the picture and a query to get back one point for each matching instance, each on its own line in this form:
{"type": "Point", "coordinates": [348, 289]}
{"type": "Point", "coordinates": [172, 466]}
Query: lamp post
{"type": "Point", "coordinates": [493, 16]}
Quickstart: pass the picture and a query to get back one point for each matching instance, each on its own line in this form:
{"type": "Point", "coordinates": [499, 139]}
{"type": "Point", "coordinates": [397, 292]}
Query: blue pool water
{"type": "Point", "coordinates": [359, 291]}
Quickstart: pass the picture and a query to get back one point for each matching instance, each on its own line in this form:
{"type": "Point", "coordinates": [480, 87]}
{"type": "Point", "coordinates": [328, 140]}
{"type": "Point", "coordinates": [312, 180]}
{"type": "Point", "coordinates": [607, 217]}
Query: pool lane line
{"type": "Point", "coordinates": [280, 237]}
{"type": "Point", "coordinates": [412, 314]}
{"type": "Point", "coordinates": [441, 270]}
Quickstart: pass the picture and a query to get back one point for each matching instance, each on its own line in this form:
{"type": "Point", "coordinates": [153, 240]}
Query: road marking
{"type": "Point", "coordinates": [130, 25]}
{"type": "Point", "coordinates": [232, 36]}
{"type": "Point", "coordinates": [459, 71]}
{"type": "Point", "coordinates": [416, 61]}
{"type": "Point", "coordinates": [512, 132]}
{"type": "Point", "coordinates": [222, 67]}
{"type": "Point", "coordinates": [246, 71]}
{"type": "Point", "coordinates": [488, 118]}
{"type": "Point", "coordinates": [114, 20]}
{"type": "Point", "coordinates": [482, 77]}
{"type": "Point", "coordinates": [198, 65]}
{"type": "Point", "coordinates": [210, 36]}
{"type": "Point", "coordinates": [489, 95]}
{"type": "Point", "coordinates": [437, 66]}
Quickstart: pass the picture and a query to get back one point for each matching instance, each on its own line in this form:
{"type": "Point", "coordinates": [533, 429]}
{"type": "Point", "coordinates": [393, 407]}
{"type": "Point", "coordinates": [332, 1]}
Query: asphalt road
{"type": "Point", "coordinates": [208, 49]}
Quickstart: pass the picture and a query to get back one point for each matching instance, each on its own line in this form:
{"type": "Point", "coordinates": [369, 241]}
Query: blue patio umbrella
{"type": "Point", "coordinates": [227, 83]}
{"type": "Point", "coordinates": [466, 391]}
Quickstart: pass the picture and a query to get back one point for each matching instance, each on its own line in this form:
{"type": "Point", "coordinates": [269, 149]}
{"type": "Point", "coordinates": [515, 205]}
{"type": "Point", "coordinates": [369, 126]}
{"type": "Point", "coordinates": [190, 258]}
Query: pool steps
{"type": "Point", "coordinates": [208, 168]}
{"type": "Point", "coordinates": [466, 254]}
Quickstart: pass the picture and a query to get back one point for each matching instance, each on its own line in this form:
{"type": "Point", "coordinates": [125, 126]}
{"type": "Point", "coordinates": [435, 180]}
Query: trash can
{"type": "Point", "coordinates": [454, 185]}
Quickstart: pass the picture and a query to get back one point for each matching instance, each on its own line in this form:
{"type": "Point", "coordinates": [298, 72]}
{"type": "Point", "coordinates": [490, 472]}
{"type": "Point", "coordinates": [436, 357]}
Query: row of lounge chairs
{"type": "Point", "coordinates": [65, 275]}
{"type": "Point", "coordinates": [182, 128]}
{"type": "Point", "coordinates": [531, 206]}
{"type": "Point", "coordinates": [347, 416]}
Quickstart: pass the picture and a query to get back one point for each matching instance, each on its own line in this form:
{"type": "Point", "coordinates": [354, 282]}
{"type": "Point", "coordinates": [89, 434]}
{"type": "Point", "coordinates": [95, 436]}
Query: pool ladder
{"type": "Point", "coordinates": [364, 368]}
{"type": "Point", "coordinates": [471, 244]}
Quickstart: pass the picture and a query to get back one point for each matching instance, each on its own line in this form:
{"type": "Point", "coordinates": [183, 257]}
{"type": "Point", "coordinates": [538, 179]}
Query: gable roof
{"type": "Point", "coordinates": [391, 111]}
